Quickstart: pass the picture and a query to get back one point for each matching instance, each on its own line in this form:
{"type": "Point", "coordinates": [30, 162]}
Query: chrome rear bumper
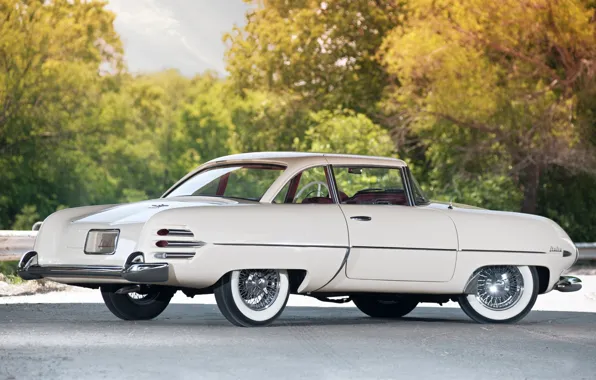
{"type": "Point", "coordinates": [134, 270]}
{"type": "Point", "coordinates": [568, 284]}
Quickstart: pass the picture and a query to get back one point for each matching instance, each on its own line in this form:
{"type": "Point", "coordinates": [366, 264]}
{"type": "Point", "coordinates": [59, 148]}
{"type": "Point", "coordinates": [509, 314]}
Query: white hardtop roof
{"type": "Point", "coordinates": [295, 162]}
{"type": "Point", "coordinates": [294, 156]}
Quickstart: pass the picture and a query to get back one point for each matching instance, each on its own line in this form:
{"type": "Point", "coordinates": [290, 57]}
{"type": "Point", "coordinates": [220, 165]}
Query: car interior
{"type": "Point", "coordinates": [366, 186]}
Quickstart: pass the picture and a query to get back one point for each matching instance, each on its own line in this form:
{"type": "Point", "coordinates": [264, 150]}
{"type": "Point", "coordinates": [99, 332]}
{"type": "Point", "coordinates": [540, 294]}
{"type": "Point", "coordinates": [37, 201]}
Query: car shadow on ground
{"type": "Point", "coordinates": [209, 315]}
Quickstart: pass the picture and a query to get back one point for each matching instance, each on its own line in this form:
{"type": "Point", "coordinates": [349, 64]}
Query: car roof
{"type": "Point", "coordinates": [294, 156]}
{"type": "Point", "coordinates": [294, 162]}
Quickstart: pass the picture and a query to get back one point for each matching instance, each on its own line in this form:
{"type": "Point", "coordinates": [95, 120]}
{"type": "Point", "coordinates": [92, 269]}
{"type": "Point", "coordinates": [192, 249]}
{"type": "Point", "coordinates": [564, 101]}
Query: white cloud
{"type": "Point", "coordinates": [175, 34]}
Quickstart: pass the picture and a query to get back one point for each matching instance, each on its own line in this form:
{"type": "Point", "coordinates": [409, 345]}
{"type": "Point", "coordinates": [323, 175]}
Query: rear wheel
{"type": "Point", "coordinates": [253, 297]}
{"type": "Point", "coordinates": [504, 294]}
{"type": "Point", "coordinates": [136, 306]}
{"type": "Point", "coordinates": [385, 306]}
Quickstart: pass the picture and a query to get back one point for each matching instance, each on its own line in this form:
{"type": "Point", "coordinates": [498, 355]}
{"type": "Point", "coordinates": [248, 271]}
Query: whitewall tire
{"type": "Point", "coordinates": [253, 297]}
{"type": "Point", "coordinates": [503, 294]}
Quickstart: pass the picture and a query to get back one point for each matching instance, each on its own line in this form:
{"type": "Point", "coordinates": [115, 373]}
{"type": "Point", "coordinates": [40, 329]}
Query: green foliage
{"type": "Point", "coordinates": [26, 218]}
{"type": "Point", "coordinates": [323, 52]}
{"type": "Point", "coordinates": [569, 200]}
{"type": "Point", "coordinates": [345, 132]}
{"type": "Point", "coordinates": [9, 270]}
{"type": "Point", "coordinates": [501, 81]}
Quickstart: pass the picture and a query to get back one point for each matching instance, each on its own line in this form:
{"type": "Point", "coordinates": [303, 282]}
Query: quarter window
{"type": "Point", "coordinates": [309, 186]}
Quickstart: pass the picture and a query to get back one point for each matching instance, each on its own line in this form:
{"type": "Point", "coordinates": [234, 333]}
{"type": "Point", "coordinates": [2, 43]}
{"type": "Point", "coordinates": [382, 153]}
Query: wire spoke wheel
{"type": "Point", "coordinates": [252, 297]}
{"type": "Point", "coordinates": [502, 294]}
{"type": "Point", "coordinates": [143, 299]}
{"type": "Point", "coordinates": [499, 287]}
{"type": "Point", "coordinates": [259, 288]}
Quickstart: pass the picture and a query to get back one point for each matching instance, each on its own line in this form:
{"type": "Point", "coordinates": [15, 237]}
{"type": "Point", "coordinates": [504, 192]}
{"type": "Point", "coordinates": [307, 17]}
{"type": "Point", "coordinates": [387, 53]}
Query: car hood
{"type": "Point", "coordinates": [140, 212]}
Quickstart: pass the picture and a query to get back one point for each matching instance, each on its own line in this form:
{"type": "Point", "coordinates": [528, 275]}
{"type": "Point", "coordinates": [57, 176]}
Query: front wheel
{"type": "Point", "coordinates": [504, 294]}
{"type": "Point", "coordinates": [136, 306]}
{"type": "Point", "coordinates": [385, 307]}
{"type": "Point", "coordinates": [252, 297]}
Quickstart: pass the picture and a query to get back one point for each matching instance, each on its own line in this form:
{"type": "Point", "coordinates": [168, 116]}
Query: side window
{"type": "Point", "coordinates": [370, 185]}
{"type": "Point", "coordinates": [281, 196]}
{"type": "Point", "coordinates": [312, 186]}
{"type": "Point", "coordinates": [308, 186]}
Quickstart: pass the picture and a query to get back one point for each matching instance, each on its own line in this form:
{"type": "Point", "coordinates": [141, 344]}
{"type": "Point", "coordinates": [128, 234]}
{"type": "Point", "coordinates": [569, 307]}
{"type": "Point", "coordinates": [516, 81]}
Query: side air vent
{"type": "Point", "coordinates": [174, 232]}
{"type": "Point", "coordinates": [176, 244]}
{"type": "Point", "coordinates": [174, 255]}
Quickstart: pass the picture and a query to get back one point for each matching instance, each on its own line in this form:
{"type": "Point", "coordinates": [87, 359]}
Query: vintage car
{"type": "Point", "coordinates": [254, 228]}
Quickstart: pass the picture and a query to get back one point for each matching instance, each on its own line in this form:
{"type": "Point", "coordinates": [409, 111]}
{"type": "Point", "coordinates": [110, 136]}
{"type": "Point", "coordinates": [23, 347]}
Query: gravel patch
{"type": "Point", "coordinates": [28, 288]}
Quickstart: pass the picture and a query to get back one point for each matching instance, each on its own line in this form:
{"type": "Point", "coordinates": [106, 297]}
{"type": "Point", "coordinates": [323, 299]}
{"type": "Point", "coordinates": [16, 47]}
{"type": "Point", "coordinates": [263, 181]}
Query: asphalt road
{"type": "Point", "coordinates": [193, 341]}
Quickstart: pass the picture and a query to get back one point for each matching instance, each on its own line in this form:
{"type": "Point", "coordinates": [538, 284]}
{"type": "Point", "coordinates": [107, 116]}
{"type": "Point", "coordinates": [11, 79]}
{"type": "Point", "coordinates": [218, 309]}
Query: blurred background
{"type": "Point", "coordinates": [491, 103]}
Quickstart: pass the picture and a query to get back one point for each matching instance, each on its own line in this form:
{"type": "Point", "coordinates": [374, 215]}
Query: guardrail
{"type": "Point", "coordinates": [13, 244]}
{"type": "Point", "coordinates": [587, 251]}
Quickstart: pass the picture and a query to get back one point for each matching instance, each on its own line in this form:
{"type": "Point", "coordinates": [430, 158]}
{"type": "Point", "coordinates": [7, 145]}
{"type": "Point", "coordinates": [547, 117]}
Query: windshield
{"type": "Point", "coordinates": [248, 182]}
{"type": "Point", "coordinates": [419, 197]}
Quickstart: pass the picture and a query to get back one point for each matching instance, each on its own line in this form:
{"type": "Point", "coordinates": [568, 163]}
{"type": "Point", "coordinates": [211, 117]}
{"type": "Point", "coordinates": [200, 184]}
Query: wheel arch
{"type": "Point", "coordinates": [296, 277]}
{"type": "Point", "coordinates": [543, 279]}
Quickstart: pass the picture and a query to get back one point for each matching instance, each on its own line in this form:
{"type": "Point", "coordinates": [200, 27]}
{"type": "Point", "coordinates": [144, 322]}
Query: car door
{"type": "Point", "coordinates": [390, 239]}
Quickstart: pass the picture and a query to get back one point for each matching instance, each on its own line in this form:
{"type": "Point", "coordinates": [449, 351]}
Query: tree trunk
{"type": "Point", "coordinates": [531, 181]}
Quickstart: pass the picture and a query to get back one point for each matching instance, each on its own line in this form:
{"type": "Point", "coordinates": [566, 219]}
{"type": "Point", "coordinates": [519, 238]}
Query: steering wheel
{"type": "Point", "coordinates": [319, 184]}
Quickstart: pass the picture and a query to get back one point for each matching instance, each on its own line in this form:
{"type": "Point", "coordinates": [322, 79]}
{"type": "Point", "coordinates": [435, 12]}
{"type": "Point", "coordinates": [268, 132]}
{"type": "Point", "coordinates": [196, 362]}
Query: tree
{"type": "Point", "coordinates": [345, 132]}
{"type": "Point", "coordinates": [322, 51]}
{"type": "Point", "coordinates": [52, 54]}
{"type": "Point", "coordinates": [264, 121]}
{"type": "Point", "coordinates": [205, 125]}
{"type": "Point", "coordinates": [497, 84]}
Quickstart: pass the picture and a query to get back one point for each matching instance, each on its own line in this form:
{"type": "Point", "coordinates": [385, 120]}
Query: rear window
{"type": "Point", "coordinates": [248, 182]}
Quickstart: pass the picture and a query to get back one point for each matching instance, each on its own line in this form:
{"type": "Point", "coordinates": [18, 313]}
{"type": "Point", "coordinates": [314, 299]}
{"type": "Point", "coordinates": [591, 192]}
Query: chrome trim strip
{"type": "Point", "coordinates": [498, 250]}
{"type": "Point", "coordinates": [405, 248]}
{"type": "Point", "coordinates": [404, 171]}
{"type": "Point", "coordinates": [197, 244]}
{"type": "Point", "coordinates": [343, 264]}
{"type": "Point", "coordinates": [178, 232]}
{"type": "Point", "coordinates": [174, 255]}
{"type": "Point", "coordinates": [281, 245]}
{"type": "Point", "coordinates": [334, 189]}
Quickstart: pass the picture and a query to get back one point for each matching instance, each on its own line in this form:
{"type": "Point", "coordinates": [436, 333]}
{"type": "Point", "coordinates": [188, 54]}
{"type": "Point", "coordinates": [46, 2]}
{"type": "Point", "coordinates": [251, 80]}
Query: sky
{"type": "Point", "coordinates": [180, 34]}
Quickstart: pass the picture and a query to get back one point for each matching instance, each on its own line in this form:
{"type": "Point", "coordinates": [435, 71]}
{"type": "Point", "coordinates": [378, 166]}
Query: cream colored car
{"type": "Point", "coordinates": [255, 228]}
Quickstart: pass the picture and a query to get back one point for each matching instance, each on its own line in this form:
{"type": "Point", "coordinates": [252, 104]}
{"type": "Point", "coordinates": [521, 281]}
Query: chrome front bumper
{"type": "Point", "coordinates": [135, 270]}
{"type": "Point", "coordinates": [568, 284]}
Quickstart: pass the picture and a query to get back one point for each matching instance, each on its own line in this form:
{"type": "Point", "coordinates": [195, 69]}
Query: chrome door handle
{"type": "Point", "coordinates": [361, 218]}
